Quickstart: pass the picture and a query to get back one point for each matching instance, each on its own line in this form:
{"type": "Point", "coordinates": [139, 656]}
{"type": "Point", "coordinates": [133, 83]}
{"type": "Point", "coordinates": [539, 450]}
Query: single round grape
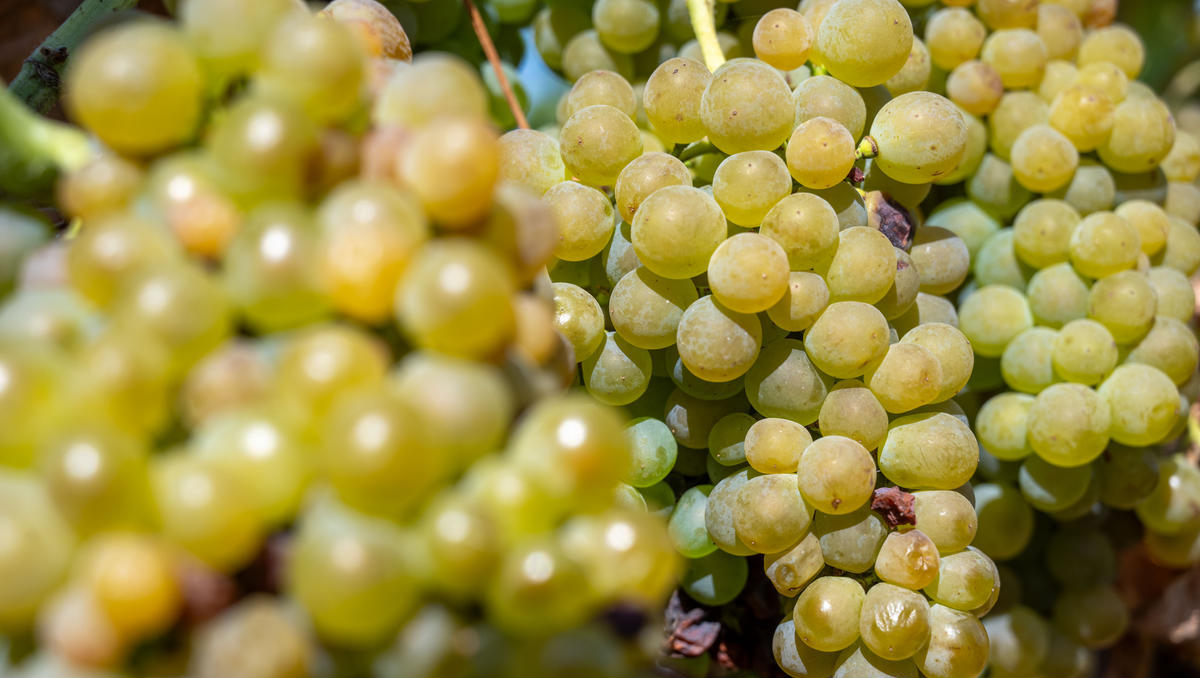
{"type": "Point", "coordinates": [676, 230]}
{"type": "Point", "coordinates": [643, 176]}
{"type": "Point", "coordinates": [578, 316]}
{"type": "Point", "coordinates": [1125, 303]}
{"type": "Point", "coordinates": [701, 389]}
{"type": "Point", "coordinates": [782, 38]}
{"type": "Point", "coordinates": [1117, 45]}
{"type": "Point", "coordinates": [932, 451]}
{"type": "Point", "coordinates": [672, 99]}
{"type": "Point", "coordinates": [1042, 232]}
{"type": "Point", "coordinates": [1172, 506]}
{"type": "Point", "coordinates": [820, 153]}
{"type": "Point", "coordinates": [748, 273]}
{"type": "Point", "coordinates": [1051, 488]}
{"type": "Point", "coordinates": [715, 343]}
{"type": "Point", "coordinates": [455, 181]}
{"type": "Point", "coordinates": [1068, 424]}
{"type": "Point", "coordinates": [997, 263]}
{"type": "Point", "coordinates": [1060, 30]}
{"type": "Point", "coordinates": [218, 526]}
{"type": "Point", "coordinates": [941, 258]}
{"type": "Point", "coordinates": [864, 42]}
{"type": "Point", "coordinates": [314, 62]}
{"type": "Point", "coordinates": [795, 658]}
{"type": "Point", "coordinates": [826, 96]}
{"type": "Point", "coordinates": [953, 36]}
{"type": "Point", "coordinates": [946, 518]}
{"type": "Point", "coordinates": [1091, 190]}
{"type": "Point", "coordinates": [862, 268]}
{"type": "Point", "coordinates": [1027, 362]}
{"type": "Point", "coordinates": [836, 475]}
{"type": "Point", "coordinates": [584, 217]}
{"type": "Point", "coordinates": [850, 542]}
{"type": "Point", "coordinates": [958, 645]}
{"type": "Point", "coordinates": [920, 136]}
{"type": "Point", "coordinates": [894, 622]}
{"type": "Point", "coordinates": [951, 349]}
{"type": "Point", "coordinates": [1096, 618]}
{"type": "Point", "coordinates": [973, 155]}
{"type": "Point", "coordinates": [1016, 112]}
{"type": "Point", "coordinates": [803, 300]}
{"type": "Point", "coordinates": [686, 525]}
{"type": "Point", "coordinates": [974, 86]}
{"type": "Point", "coordinates": [1084, 352]}
{"type": "Point", "coordinates": [585, 52]}
{"type": "Point", "coordinates": [733, 126]}
{"type": "Point", "coordinates": [1170, 347]}
{"type": "Point", "coordinates": [646, 309]}
{"type": "Point", "coordinates": [907, 377]}
{"type": "Point", "coordinates": [774, 445]}
{"type": "Point", "coordinates": [617, 373]}
{"type": "Point", "coordinates": [827, 612]}
{"type": "Point", "coordinates": [715, 579]}
{"type": "Point", "coordinates": [601, 87]}
{"type": "Point", "coordinates": [1176, 298]}
{"type": "Point", "coordinates": [532, 159]}
{"type": "Point", "coordinates": [1018, 55]}
{"type": "Point", "coordinates": [858, 661]}
{"type": "Point", "coordinates": [436, 85]}
{"type": "Point", "coordinates": [998, 14]}
{"type": "Point", "coordinates": [1059, 75]}
{"type": "Point", "coordinates": [1043, 160]}
{"type": "Point", "coordinates": [598, 142]}
{"type": "Point", "coordinates": [992, 316]}
{"type": "Point", "coordinates": [726, 439]}
{"type": "Point", "coordinates": [1002, 423]}
{"type": "Point", "coordinates": [846, 338]}
{"type": "Point", "coordinates": [1183, 162]}
{"type": "Point", "coordinates": [1142, 135]}
{"type": "Point", "coordinates": [909, 560]}
{"type": "Point", "coordinates": [1143, 402]}
{"type": "Point", "coordinates": [1005, 520]}
{"type": "Point", "coordinates": [769, 513]}
{"type": "Point", "coordinates": [1083, 114]}
{"type": "Point", "coordinates": [806, 226]}
{"type": "Point", "coordinates": [1019, 640]}
{"type": "Point", "coordinates": [534, 585]}
{"type": "Point", "coordinates": [748, 184]}
{"type": "Point", "coordinates": [1102, 244]}
{"type": "Point", "coordinates": [626, 26]}
{"type": "Point", "coordinates": [792, 569]}
{"type": "Point", "coordinates": [1126, 476]}
{"type": "Point", "coordinates": [915, 73]}
{"type": "Point", "coordinates": [784, 383]}
{"type": "Point", "coordinates": [1182, 251]}
{"type": "Point", "coordinates": [1057, 295]}
{"type": "Point", "coordinates": [994, 188]}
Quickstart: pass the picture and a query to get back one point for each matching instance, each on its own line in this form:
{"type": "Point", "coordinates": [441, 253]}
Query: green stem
{"type": "Point", "coordinates": [701, 14]}
{"type": "Point", "coordinates": [34, 149]}
{"type": "Point", "coordinates": [696, 150]}
{"type": "Point", "coordinates": [37, 85]}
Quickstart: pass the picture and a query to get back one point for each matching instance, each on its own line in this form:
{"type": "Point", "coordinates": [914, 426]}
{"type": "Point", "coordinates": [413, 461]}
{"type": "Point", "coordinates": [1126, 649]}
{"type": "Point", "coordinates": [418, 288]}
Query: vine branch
{"type": "Point", "coordinates": [493, 57]}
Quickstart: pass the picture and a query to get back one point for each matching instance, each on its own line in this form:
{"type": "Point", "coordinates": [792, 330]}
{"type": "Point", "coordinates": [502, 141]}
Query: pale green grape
{"type": "Point", "coordinates": [851, 410]}
{"type": "Point", "coordinates": [836, 475]}
{"type": "Point", "coordinates": [726, 440]}
{"type": "Point", "coordinates": [851, 541]}
{"type": "Point", "coordinates": [997, 263]}
{"type": "Point", "coordinates": [826, 614]}
{"type": "Point", "coordinates": [864, 42]}
{"type": "Point", "coordinates": [826, 96]}
{"type": "Point", "coordinates": [672, 99]}
{"type": "Point", "coordinates": [1059, 75]}
{"type": "Point", "coordinates": [585, 220]}
{"type": "Point", "coordinates": [181, 306]}
{"type": "Point", "coordinates": [643, 176]}
{"type": "Point", "coordinates": [1084, 352]}
{"type": "Point", "coordinates": [947, 518]}
{"type": "Point", "coordinates": [994, 189]}
{"type": "Point", "coordinates": [1172, 507]}
{"type": "Point", "coordinates": [38, 550]}
{"type": "Point", "coordinates": [1043, 160]}
{"type": "Point", "coordinates": [1019, 640]}
{"type": "Point", "coordinates": [1057, 295]}
{"type": "Point", "coordinates": [792, 569]}
{"type": "Point", "coordinates": [907, 377]}
{"type": "Point", "coordinates": [1027, 362]}
{"type": "Point", "coordinates": [992, 316]}
{"type": "Point", "coordinates": [974, 86]}
{"type": "Point", "coordinates": [966, 220]}
{"type": "Point", "coordinates": [734, 127]}
{"type": "Point", "coordinates": [218, 525]}
{"type": "Point", "coordinates": [803, 300]}
{"type": "Point", "coordinates": [774, 445]}
{"type": "Point", "coordinates": [921, 136]}
{"type": "Point", "coordinates": [909, 560]}
{"type": "Point", "coordinates": [1142, 135]}
{"type": "Point", "coordinates": [931, 451]}
{"type": "Point", "coordinates": [862, 268]}
{"type": "Point", "coordinates": [1060, 30]}
{"type": "Point", "coordinates": [748, 184]}
{"type": "Point", "coordinates": [806, 226]}
{"type": "Point", "coordinates": [676, 230]}
{"type": "Point", "coordinates": [1179, 551]}
{"type": "Point", "coordinates": [701, 389]}
{"type": "Point", "coordinates": [783, 382]}
{"type": "Point", "coordinates": [963, 580]}
{"type": "Point", "coordinates": [1176, 298]}
{"type": "Point", "coordinates": [111, 252]}
{"type": "Point", "coordinates": [715, 579]}
{"type": "Point", "coordinates": [1125, 303]}
{"type": "Point", "coordinates": [894, 622]}
{"type": "Point", "coordinates": [797, 659]}
{"type": "Point", "coordinates": [846, 338]}
{"type": "Point", "coordinates": [820, 153]}
{"type": "Point", "coordinates": [1005, 520]}
{"type": "Point", "coordinates": [1001, 425]}
{"type": "Point", "coordinates": [1095, 618]}
{"type": "Point", "coordinates": [1084, 114]}
{"type": "Point", "coordinates": [902, 295]}
{"type": "Point", "coordinates": [253, 165]}
{"type": "Point", "coordinates": [1068, 424]}
{"type": "Point", "coordinates": [748, 273]}
{"type": "Point", "coordinates": [537, 585]}
{"type": "Point", "coordinates": [721, 509]}
{"type": "Point", "coordinates": [601, 87]}
{"type": "Point", "coordinates": [1183, 201]}
{"type": "Point", "coordinates": [317, 63]}
{"type": "Point", "coordinates": [715, 343]}
{"type": "Point", "coordinates": [1018, 55]}
{"type": "Point", "coordinates": [646, 309]}
{"type": "Point", "coordinates": [617, 372]}
{"type": "Point", "coordinates": [1091, 190]}
{"type": "Point", "coordinates": [953, 36]}
{"type": "Point", "coordinates": [1052, 488]}
{"type": "Point", "coordinates": [769, 513]}
{"type": "Point", "coordinates": [686, 525]}
{"type": "Point", "coordinates": [585, 52]}
{"type": "Point", "coordinates": [951, 349]}
{"type": "Point", "coordinates": [579, 318]}
{"type": "Point", "coordinates": [436, 85]}
{"type": "Point", "coordinates": [626, 26]}
{"type": "Point", "coordinates": [598, 142]}
{"type": "Point", "coordinates": [1117, 45]}
{"type": "Point", "coordinates": [1171, 347]}
{"type": "Point", "coordinates": [1016, 112]}
{"type": "Point", "coordinates": [998, 14]}
{"type": "Point", "coordinates": [1143, 402]}
{"type": "Point", "coordinates": [1182, 251]}
{"type": "Point", "coordinates": [782, 38]}
{"type": "Point", "coordinates": [958, 645]}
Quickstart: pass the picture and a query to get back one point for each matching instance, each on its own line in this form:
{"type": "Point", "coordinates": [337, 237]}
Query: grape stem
{"type": "Point", "coordinates": [38, 83]}
{"type": "Point", "coordinates": [34, 149]}
{"type": "Point", "coordinates": [696, 150]}
{"type": "Point", "coordinates": [701, 14]}
{"type": "Point", "coordinates": [493, 57]}
{"type": "Point", "coordinates": [867, 148]}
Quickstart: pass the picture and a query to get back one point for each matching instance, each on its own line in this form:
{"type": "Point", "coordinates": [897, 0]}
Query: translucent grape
{"type": "Point", "coordinates": [827, 613]}
{"type": "Point", "coordinates": [974, 86]}
{"type": "Point", "coordinates": [676, 230]}
{"type": "Point", "coordinates": [803, 300]}
{"type": "Point", "coordinates": [792, 569]}
{"type": "Point", "coordinates": [598, 142]}
{"type": "Point", "coordinates": [920, 136]}
{"type": "Point", "coordinates": [894, 622]}
{"type": "Point", "coordinates": [864, 42]}
{"type": "Point", "coordinates": [686, 525]}
{"type": "Point", "coordinates": [1018, 55]}
{"type": "Point", "coordinates": [1005, 521]}
{"type": "Point", "coordinates": [1142, 135]}
{"type": "Point", "coordinates": [846, 338]}
{"type": "Point", "coordinates": [992, 316]}
{"type": "Point", "coordinates": [734, 127]}
{"type": "Point", "coordinates": [806, 226]}
{"type": "Point", "coordinates": [748, 273]}
{"type": "Point", "coordinates": [782, 38]}
{"type": "Point", "coordinates": [626, 26]}
{"type": "Point", "coordinates": [1068, 424]}
{"type": "Point", "coordinates": [953, 36]}
{"type": "Point", "coordinates": [643, 176]}
{"type": "Point", "coordinates": [715, 343]}
{"type": "Point", "coordinates": [820, 153]}
{"type": "Point", "coordinates": [672, 99]}
{"type": "Point", "coordinates": [1043, 159]}
{"type": "Point", "coordinates": [946, 518]}
{"type": "Point", "coordinates": [1117, 45]}
{"type": "Point", "coordinates": [862, 268]}
{"type": "Point", "coordinates": [1143, 402]}
{"type": "Point", "coordinates": [851, 541]}
{"type": "Point", "coordinates": [933, 451]}
{"type": "Point", "coordinates": [747, 185]}
{"type": "Point", "coordinates": [958, 645]}
{"type": "Point", "coordinates": [827, 97]}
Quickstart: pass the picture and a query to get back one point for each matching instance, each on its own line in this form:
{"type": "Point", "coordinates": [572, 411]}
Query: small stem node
{"type": "Point", "coordinates": [867, 148]}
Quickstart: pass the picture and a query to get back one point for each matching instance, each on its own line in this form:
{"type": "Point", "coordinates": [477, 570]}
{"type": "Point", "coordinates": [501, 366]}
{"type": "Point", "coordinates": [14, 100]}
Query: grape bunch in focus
{"type": "Point", "coordinates": [416, 339]}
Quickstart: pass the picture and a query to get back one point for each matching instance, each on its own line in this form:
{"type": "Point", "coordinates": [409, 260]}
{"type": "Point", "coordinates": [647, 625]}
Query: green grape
{"type": "Point", "coordinates": [1027, 362]}
{"type": "Point", "coordinates": [1083, 114]}
{"type": "Point", "coordinates": [1117, 45]}
{"type": "Point", "coordinates": [1183, 162]}
{"type": "Point", "coordinates": [852, 410]}
{"type": "Point", "coordinates": [953, 36]}
{"type": "Point", "coordinates": [958, 645]}
{"type": "Point", "coordinates": [997, 263]}
{"type": "Point", "coordinates": [715, 343]}
{"type": "Point", "coordinates": [782, 38]}
{"type": "Point", "coordinates": [537, 585]}
{"type": "Point", "coordinates": [53, 317]}
{"type": "Point", "coordinates": [1001, 425]}
{"type": "Point", "coordinates": [466, 407]}
{"type": "Point", "coordinates": [827, 97]}
{"type": "Point", "coordinates": [966, 220]}
{"type": "Point", "coordinates": [617, 372]}
{"type": "Point", "coordinates": [316, 63]}
{"type": "Point", "coordinates": [112, 252]}
{"type": "Point", "coordinates": [672, 99]}
{"type": "Point", "coordinates": [646, 309]}
{"type": "Point", "coordinates": [1051, 488]}
{"type": "Point", "coordinates": [436, 85]}
{"type": "Point", "coordinates": [748, 273]}
{"type": "Point", "coordinates": [992, 316]}
{"type": "Point", "coordinates": [902, 295]}
{"type": "Point", "coordinates": [1059, 75]}
{"type": "Point", "coordinates": [952, 351]}
{"type": "Point", "coordinates": [1060, 30]}
{"type": "Point", "coordinates": [930, 451]}
{"type": "Point", "coordinates": [1143, 402]}
{"type": "Point", "coordinates": [227, 36]}
{"type": "Point", "coordinates": [252, 166]}
{"type": "Point", "coordinates": [579, 318]}
{"type": "Point", "coordinates": [462, 543]}
{"type": "Point", "coordinates": [1057, 295]}
{"type": "Point", "coordinates": [975, 87]}
{"type": "Point", "coordinates": [746, 185]}
{"type": "Point", "coordinates": [1125, 475]}
{"type": "Point", "coordinates": [908, 560]}
{"type": "Point", "coordinates": [584, 217]}
{"type": "Point", "coordinates": [1170, 347]}
{"type": "Point", "coordinates": [795, 658]}
{"type": "Point", "coordinates": [585, 52]}
{"type": "Point", "coordinates": [1005, 521]}
{"type": "Point", "coordinates": [941, 258]}
{"type": "Point", "coordinates": [1172, 507]}
{"type": "Point", "coordinates": [1081, 559]}
{"type": "Point", "coordinates": [39, 548]}
{"type": "Point", "coordinates": [1042, 232]}
{"type": "Point", "coordinates": [645, 175]}
{"type": "Point", "coordinates": [806, 226]}
{"type": "Point", "coordinates": [864, 42]}
{"type": "Point", "coordinates": [1125, 303]}
{"type": "Point", "coordinates": [518, 507]}
{"type": "Point", "coordinates": [204, 508]}
{"type": "Point", "coordinates": [792, 569]}
{"type": "Point", "coordinates": [531, 159]}
{"type": "Point", "coordinates": [182, 190]}
{"type": "Point", "coordinates": [255, 630]}
{"type": "Point", "coordinates": [851, 541]}
{"type": "Point", "coordinates": [1019, 640]}
{"type": "Point", "coordinates": [698, 388]}
{"type": "Point", "coordinates": [1103, 244]}
{"type": "Point", "coordinates": [963, 581]}
{"type": "Point", "coordinates": [947, 518]}
{"type": "Point", "coordinates": [908, 195]}
{"type": "Point", "coordinates": [1183, 201]}
{"type": "Point", "coordinates": [659, 499]}
{"type": "Point", "coordinates": [920, 135]}
{"type": "Point", "coordinates": [1016, 112]}
{"type": "Point", "coordinates": [846, 338]}
{"type": "Point", "coordinates": [626, 26]}
{"type": "Point", "coordinates": [622, 553]}
{"type": "Point", "coordinates": [907, 377]}
{"type": "Point", "coordinates": [181, 306]}
{"type": "Point", "coordinates": [826, 614]}
{"type": "Point", "coordinates": [686, 525]}
{"type": "Point", "coordinates": [726, 440]}
{"type": "Point", "coordinates": [774, 445]}
{"type": "Point", "coordinates": [803, 300]}
{"type": "Point", "coordinates": [598, 142]}
{"type": "Point", "coordinates": [784, 383]}
{"type": "Point", "coordinates": [836, 475]}
{"type": "Point", "coordinates": [96, 477]}
{"type": "Point", "coordinates": [601, 87]}
{"type": "Point", "coordinates": [820, 153]}
{"type": "Point", "coordinates": [857, 661]}
{"type": "Point", "coordinates": [994, 188]}
{"type": "Point", "coordinates": [715, 579]}
{"type": "Point", "coordinates": [862, 268]}
{"type": "Point", "coordinates": [1096, 618]}
{"type": "Point", "coordinates": [1084, 352]}
{"type": "Point", "coordinates": [894, 622]}
{"type": "Point", "coordinates": [998, 14]}
{"type": "Point", "coordinates": [1179, 551]}
{"type": "Point", "coordinates": [137, 87]}
{"type": "Point", "coordinates": [1068, 424]}
{"type": "Point", "coordinates": [1142, 135]}
{"type": "Point", "coordinates": [1018, 55]}
{"type": "Point", "coordinates": [769, 513]}
{"type": "Point", "coordinates": [716, 471]}
{"type": "Point", "coordinates": [1176, 298]}
{"type": "Point", "coordinates": [721, 510]}
{"type": "Point", "coordinates": [1182, 251]}
{"type": "Point", "coordinates": [1043, 159]}
{"type": "Point", "coordinates": [734, 127]}
{"type": "Point", "coordinates": [676, 230]}
{"type": "Point", "coordinates": [1092, 189]}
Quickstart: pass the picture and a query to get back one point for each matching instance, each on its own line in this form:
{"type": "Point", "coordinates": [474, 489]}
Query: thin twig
{"type": "Point", "coordinates": [701, 14]}
{"type": "Point", "coordinates": [493, 58]}
{"type": "Point", "coordinates": [37, 85]}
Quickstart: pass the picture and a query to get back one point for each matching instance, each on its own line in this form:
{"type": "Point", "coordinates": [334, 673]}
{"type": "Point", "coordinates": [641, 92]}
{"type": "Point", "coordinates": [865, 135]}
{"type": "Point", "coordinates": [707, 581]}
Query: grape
{"type": "Point", "coordinates": [864, 42]}
{"type": "Point", "coordinates": [1096, 618]}
{"type": "Point", "coordinates": [820, 153]}
{"type": "Point", "coordinates": [797, 659]}
{"type": "Point", "coordinates": [827, 613]}
{"type": "Point", "coordinates": [1183, 201]}
{"type": "Point", "coordinates": [1175, 551]}
{"type": "Point", "coordinates": [253, 634]}
{"type": "Point", "coordinates": [1019, 640]}
{"type": "Point", "coordinates": [676, 230]}
{"type": "Point", "coordinates": [1068, 424]}
{"type": "Point", "coordinates": [859, 662]}
{"type": "Point", "coordinates": [1125, 303]}
{"type": "Point", "coordinates": [747, 185]}
{"type": "Point", "coordinates": [622, 552]}
{"type": "Point", "coordinates": [928, 451]}
{"type": "Point", "coordinates": [806, 226]}
{"type": "Point", "coordinates": [226, 35]}
{"type": "Point", "coordinates": [920, 136]}
{"type": "Point", "coordinates": [1051, 488]}
{"type": "Point", "coordinates": [1142, 135]}
{"type": "Point", "coordinates": [782, 38]}
{"type": "Point", "coordinates": [846, 338]}
{"type": "Point", "coordinates": [958, 645]}
{"type": "Point", "coordinates": [585, 52]}
{"type": "Point", "coordinates": [894, 622]}
{"type": "Point", "coordinates": [218, 525]}
{"type": "Point", "coordinates": [1183, 162]}
{"type": "Point", "coordinates": [827, 97]}
{"type": "Point", "coordinates": [686, 526]}
{"type": "Point", "coordinates": [646, 309]}
{"type": "Point", "coordinates": [535, 585]}
{"type": "Point", "coordinates": [1117, 45]}
{"type": "Point", "coordinates": [1001, 425]}
{"type": "Point", "coordinates": [906, 285]}
{"type": "Point", "coordinates": [1091, 190]}
{"type": "Point", "coordinates": [1182, 251]}
{"type": "Point", "coordinates": [997, 263]}
{"type": "Point", "coordinates": [133, 582]}
{"type": "Point", "coordinates": [1057, 295]}
{"type": "Point", "coordinates": [40, 548]}
{"type": "Point", "coordinates": [774, 445]}
{"type": "Point", "coordinates": [1027, 362]}
{"type": "Point", "coordinates": [851, 541]}
{"type": "Point", "coordinates": [645, 175]}
{"type": "Point", "coordinates": [836, 475]}
{"type": "Point", "coordinates": [314, 63]}
{"type": "Point", "coordinates": [1043, 160]}
{"type": "Point", "coordinates": [994, 188]}
{"type": "Point", "coordinates": [992, 316]}
{"type": "Point", "coordinates": [1170, 347]}
{"type": "Point", "coordinates": [1084, 352]}
{"type": "Point", "coordinates": [1143, 402]}
{"type": "Point", "coordinates": [532, 159]}
{"type": "Point", "coordinates": [1102, 244]}
{"type": "Point", "coordinates": [617, 373]}
{"type": "Point", "coordinates": [734, 127]}
{"type": "Point", "coordinates": [942, 259]}
{"type": "Point", "coordinates": [598, 142]}
{"type": "Point", "coordinates": [953, 36]}
{"type": "Point", "coordinates": [1083, 114]}
{"type": "Point", "coordinates": [1005, 521]}
{"type": "Point", "coordinates": [946, 518]}
{"type": "Point", "coordinates": [915, 74]}
{"type": "Point", "coordinates": [715, 343]}
{"type": "Point", "coordinates": [437, 85]}
{"type": "Point", "coordinates": [784, 383]}
{"type": "Point", "coordinates": [792, 569]}
{"type": "Point", "coordinates": [1058, 76]}
{"type": "Point", "coordinates": [951, 350]}
{"type": "Point", "coordinates": [975, 87]}
{"type": "Point", "coordinates": [715, 579]}
{"type": "Point", "coordinates": [862, 268]}
{"type": "Point", "coordinates": [964, 580]}
{"type": "Point", "coordinates": [721, 510]}
{"type": "Point", "coordinates": [907, 377]}
{"type": "Point", "coordinates": [584, 217]}
{"type": "Point", "coordinates": [726, 440]}
{"type": "Point", "coordinates": [1018, 55]}
{"type": "Point", "coordinates": [1176, 298]}
{"type": "Point", "coordinates": [908, 559]}
{"type": "Point", "coordinates": [1042, 232]}
{"type": "Point", "coordinates": [998, 14]}
{"type": "Point", "coordinates": [672, 99]}
{"type": "Point", "coordinates": [1016, 112]}
{"type": "Point", "coordinates": [1172, 507]}
{"type": "Point", "coordinates": [577, 315]}
{"type": "Point", "coordinates": [770, 514]}
{"type": "Point", "coordinates": [601, 87]}
{"type": "Point", "coordinates": [112, 252]}
{"type": "Point", "coordinates": [966, 220]}
{"type": "Point", "coordinates": [626, 26]}
{"type": "Point", "coordinates": [803, 300]}
{"type": "Point", "coordinates": [1125, 476]}
{"type": "Point", "coordinates": [1060, 30]}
